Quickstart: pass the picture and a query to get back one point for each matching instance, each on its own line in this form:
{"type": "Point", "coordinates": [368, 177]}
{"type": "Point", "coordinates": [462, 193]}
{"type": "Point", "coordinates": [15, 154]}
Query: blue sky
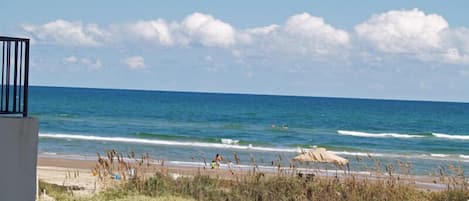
{"type": "Point", "coordinates": [415, 50]}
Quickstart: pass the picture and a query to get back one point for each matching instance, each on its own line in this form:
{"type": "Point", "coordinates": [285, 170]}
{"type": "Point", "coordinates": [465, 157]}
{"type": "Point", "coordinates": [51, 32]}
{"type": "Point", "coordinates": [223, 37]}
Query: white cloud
{"type": "Point", "coordinates": [153, 30]}
{"type": "Point", "coordinates": [197, 28]}
{"type": "Point", "coordinates": [314, 29]}
{"type": "Point", "coordinates": [402, 34]}
{"type": "Point", "coordinates": [454, 56]}
{"type": "Point", "coordinates": [412, 33]}
{"type": "Point", "coordinates": [302, 32]}
{"type": "Point", "coordinates": [263, 30]}
{"type": "Point", "coordinates": [208, 31]}
{"type": "Point", "coordinates": [301, 36]}
{"type": "Point", "coordinates": [90, 64]}
{"type": "Point", "coordinates": [403, 31]}
{"type": "Point", "coordinates": [135, 62]}
{"type": "Point", "coordinates": [67, 33]}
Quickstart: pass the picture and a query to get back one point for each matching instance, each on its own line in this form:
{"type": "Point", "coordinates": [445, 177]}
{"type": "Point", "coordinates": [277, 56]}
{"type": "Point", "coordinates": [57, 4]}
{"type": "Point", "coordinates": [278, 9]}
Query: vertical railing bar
{"type": "Point", "coordinates": [26, 79]}
{"type": "Point", "coordinates": [14, 81]}
{"type": "Point", "coordinates": [15, 75]}
{"type": "Point", "coordinates": [3, 69]}
{"type": "Point", "coordinates": [21, 75]}
{"type": "Point", "coordinates": [7, 84]}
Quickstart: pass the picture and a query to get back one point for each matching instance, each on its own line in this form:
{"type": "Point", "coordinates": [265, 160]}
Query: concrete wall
{"type": "Point", "coordinates": [18, 151]}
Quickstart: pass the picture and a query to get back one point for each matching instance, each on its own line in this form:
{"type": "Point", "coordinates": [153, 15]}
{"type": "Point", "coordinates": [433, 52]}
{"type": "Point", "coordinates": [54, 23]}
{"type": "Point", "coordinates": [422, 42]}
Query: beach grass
{"type": "Point", "coordinates": [146, 182]}
{"type": "Point", "coordinates": [62, 193]}
{"type": "Point", "coordinates": [255, 187]}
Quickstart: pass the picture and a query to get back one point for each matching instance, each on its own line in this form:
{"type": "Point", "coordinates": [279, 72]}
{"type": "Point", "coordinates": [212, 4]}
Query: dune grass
{"type": "Point", "coordinates": [158, 184]}
{"type": "Point", "coordinates": [61, 193]}
{"type": "Point", "coordinates": [203, 187]}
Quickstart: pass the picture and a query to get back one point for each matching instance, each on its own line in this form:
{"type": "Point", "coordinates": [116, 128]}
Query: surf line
{"type": "Point", "coordinates": [167, 142]}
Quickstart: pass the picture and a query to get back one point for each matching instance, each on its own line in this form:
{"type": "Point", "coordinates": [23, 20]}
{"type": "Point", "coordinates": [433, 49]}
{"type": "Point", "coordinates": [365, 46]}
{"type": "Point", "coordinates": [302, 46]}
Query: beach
{"type": "Point", "coordinates": [77, 173]}
{"type": "Point", "coordinates": [183, 131]}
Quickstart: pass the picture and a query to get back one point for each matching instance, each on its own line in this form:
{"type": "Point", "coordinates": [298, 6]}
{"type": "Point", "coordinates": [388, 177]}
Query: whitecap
{"type": "Point", "coordinates": [439, 155]}
{"type": "Point", "coordinates": [377, 135]}
{"type": "Point", "coordinates": [229, 141]}
{"type": "Point", "coordinates": [164, 142]}
{"type": "Point", "coordinates": [453, 137]}
{"type": "Point", "coordinates": [464, 156]}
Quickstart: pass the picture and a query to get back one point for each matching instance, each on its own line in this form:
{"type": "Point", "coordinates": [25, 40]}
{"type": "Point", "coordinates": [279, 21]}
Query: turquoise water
{"type": "Point", "coordinates": [195, 126]}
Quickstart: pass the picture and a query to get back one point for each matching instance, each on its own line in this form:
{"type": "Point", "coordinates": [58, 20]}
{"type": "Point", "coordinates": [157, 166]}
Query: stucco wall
{"type": "Point", "coordinates": [18, 151]}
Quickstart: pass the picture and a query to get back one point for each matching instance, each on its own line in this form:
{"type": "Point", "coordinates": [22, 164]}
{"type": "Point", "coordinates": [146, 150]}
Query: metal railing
{"type": "Point", "coordinates": [14, 60]}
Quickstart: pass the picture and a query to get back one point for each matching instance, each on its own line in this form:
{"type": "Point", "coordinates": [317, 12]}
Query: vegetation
{"type": "Point", "coordinates": [61, 193]}
{"type": "Point", "coordinates": [139, 184]}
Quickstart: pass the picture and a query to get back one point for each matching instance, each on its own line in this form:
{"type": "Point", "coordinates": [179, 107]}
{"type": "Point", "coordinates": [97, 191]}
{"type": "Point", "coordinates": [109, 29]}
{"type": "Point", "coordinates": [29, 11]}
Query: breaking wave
{"type": "Point", "coordinates": [229, 141]}
{"type": "Point", "coordinates": [232, 144]}
{"type": "Point", "coordinates": [225, 143]}
{"type": "Point", "coordinates": [378, 135]}
{"type": "Point", "coordinates": [453, 137]}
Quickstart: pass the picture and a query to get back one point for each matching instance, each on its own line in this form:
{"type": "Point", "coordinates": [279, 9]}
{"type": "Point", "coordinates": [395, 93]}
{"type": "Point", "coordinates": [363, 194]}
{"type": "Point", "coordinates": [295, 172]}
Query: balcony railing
{"type": "Point", "coordinates": [14, 60]}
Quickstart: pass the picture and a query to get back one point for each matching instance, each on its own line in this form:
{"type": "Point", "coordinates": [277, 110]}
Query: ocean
{"type": "Point", "coordinates": [190, 128]}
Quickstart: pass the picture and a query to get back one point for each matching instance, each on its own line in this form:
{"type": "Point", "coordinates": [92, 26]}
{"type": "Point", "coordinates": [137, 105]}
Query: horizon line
{"type": "Point", "coordinates": [258, 94]}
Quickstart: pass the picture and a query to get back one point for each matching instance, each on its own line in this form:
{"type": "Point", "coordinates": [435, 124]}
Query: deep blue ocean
{"type": "Point", "coordinates": [193, 127]}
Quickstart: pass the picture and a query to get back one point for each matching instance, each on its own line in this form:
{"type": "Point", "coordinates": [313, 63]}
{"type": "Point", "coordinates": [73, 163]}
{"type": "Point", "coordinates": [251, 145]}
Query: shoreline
{"type": "Point", "coordinates": [64, 171]}
{"type": "Point", "coordinates": [434, 156]}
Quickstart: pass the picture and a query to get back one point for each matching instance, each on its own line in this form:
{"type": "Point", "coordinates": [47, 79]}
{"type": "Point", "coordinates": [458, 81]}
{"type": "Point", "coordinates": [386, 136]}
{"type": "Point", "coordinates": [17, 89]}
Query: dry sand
{"type": "Point", "coordinates": [78, 174]}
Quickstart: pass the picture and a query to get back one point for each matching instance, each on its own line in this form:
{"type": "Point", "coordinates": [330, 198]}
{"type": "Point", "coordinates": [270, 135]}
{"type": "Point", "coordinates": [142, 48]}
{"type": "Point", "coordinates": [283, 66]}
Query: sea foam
{"type": "Point", "coordinates": [241, 147]}
{"type": "Point", "coordinates": [439, 155]}
{"type": "Point", "coordinates": [377, 135]}
{"type": "Point", "coordinates": [453, 137]}
{"type": "Point", "coordinates": [227, 144]}
{"type": "Point", "coordinates": [229, 141]}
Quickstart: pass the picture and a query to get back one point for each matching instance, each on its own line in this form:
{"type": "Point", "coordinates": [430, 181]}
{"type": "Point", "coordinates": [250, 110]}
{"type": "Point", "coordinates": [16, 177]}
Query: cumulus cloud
{"type": "Point", "coordinates": [302, 34]}
{"type": "Point", "coordinates": [208, 31]}
{"type": "Point", "coordinates": [67, 33]}
{"type": "Point", "coordinates": [135, 62]}
{"type": "Point", "coordinates": [402, 33]}
{"type": "Point", "coordinates": [195, 29]}
{"type": "Point", "coordinates": [313, 34]}
{"type": "Point", "coordinates": [315, 30]}
{"type": "Point", "coordinates": [426, 37]}
{"type": "Point", "coordinates": [153, 30]}
{"type": "Point", "coordinates": [90, 64]}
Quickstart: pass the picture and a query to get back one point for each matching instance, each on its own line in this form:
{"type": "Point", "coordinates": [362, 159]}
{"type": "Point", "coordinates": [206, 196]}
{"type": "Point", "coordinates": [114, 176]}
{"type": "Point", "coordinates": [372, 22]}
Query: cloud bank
{"type": "Point", "coordinates": [411, 34]}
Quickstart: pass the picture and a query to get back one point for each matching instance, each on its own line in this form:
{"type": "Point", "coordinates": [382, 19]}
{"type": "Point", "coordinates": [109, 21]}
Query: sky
{"type": "Point", "coordinates": [412, 50]}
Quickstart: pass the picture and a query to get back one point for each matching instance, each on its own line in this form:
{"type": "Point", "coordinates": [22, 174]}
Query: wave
{"type": "Point", "coordinates": [231, 144]}
{"type": "Point", "coordinates": [161, 136]}
{"type": "Point", "coordinates": [453, 137]}
{"type": "Point", "coordinates": [229, 141]}
{"type": "Point", "coordinates": [347, 153]}
{"type": "Point", "coordinates": [225, 143]}
{"type": "Point", "coordinates": [464, 156]}
{"type": "Point", "coordinates": [170, 137]}
{"type": "Point", "coordinates": [439, 155]}
{"type": "Point", "coordinates": [378, 135]}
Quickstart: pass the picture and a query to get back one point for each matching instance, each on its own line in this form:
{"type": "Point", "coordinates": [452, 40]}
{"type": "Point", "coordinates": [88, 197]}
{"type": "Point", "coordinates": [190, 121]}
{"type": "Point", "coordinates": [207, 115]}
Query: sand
{"type": "Point", "coordinates": [77, 174]}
